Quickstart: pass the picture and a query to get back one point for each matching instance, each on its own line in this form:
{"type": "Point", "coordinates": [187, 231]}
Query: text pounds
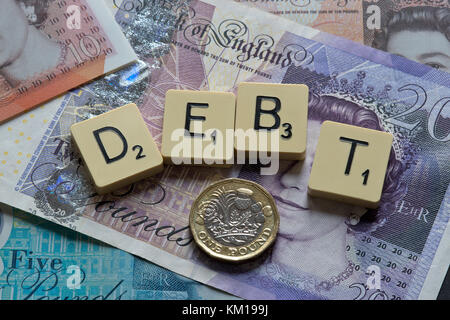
{"type": "Point", "coordinates": [117, 148]}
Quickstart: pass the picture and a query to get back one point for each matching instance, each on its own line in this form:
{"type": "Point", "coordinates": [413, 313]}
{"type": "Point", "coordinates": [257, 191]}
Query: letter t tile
{"type": "Point", "coordinates": [350, 164]}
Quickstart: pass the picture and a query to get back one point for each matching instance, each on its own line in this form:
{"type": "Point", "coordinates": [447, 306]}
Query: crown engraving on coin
{"type": "Point", "coordinates": [234, 220]}
{"type": "Point", "coordinates": [233, 217]}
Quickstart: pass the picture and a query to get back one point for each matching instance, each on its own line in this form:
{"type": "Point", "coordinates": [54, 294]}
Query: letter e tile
{"type": "Point", "coordinates": [197, 127]}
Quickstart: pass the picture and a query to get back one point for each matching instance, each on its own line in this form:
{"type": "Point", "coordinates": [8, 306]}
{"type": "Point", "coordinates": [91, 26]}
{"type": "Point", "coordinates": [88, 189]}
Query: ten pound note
{"type": "Point", "coordinates": [323, 251]}
{"type": "Point", "coordinates": [48, 47]}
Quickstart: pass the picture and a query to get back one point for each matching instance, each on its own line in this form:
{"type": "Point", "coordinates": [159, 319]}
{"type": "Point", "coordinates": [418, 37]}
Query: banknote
{"type": "Point", "coordinates": [40, 260]}
{"type": "Point", "coordinates": [444, 294]}
{"type": "Point", "coordinates": [399, 251]}
{"type": "Point", "coordinates": [396, 26]}
{"type": "Point", "coordinates": [49, 47]}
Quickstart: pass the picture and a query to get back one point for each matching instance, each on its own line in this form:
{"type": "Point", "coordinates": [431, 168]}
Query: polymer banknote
{"type": "Point", "coordinates": [50, 46]}
{"type": "Point", "coordinates": [399, 251]}
{"type": "Point", "coordinates": [40, 260]}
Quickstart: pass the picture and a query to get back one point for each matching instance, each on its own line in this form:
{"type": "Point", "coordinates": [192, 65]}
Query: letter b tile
{"type": "Point", "coordinates": [266, 109]}
{"type": "Point", "coordinates": [350, 164]}
{"type": "Point", "coordinates": [117, 148]}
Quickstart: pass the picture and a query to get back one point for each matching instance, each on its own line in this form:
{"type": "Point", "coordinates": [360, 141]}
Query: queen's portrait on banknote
{"type": "Point", "coordinates": [5, 229]}
{"type": "Point", "coordinates": [418, 33]}
{"type": "Point", "coordinates": [25, 51]}
{"type": "Point", "coordinates": [315, 229]}
{"type": "Point", "coordinates": [48, 47]}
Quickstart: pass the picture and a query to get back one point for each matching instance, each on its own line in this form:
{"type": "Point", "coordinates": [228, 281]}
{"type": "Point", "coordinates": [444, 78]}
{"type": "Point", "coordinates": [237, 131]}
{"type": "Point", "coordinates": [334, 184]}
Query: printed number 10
{"type": "Point", "coordinates": [86, 42]}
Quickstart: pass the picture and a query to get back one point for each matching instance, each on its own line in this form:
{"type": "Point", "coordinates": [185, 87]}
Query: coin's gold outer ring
{"type": "Point", "coordinates": [271, 223]}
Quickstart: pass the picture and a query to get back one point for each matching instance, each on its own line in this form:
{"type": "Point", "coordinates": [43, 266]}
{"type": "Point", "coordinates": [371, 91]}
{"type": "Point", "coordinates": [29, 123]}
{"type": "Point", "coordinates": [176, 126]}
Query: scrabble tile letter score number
{"type": "Point", "coordinates": [264, 107]}
{"type": "Point", "coordinates": [195, 121]}
{"type": "Point", "coordinates": [117, 148]}
{"type": "Point", "coordinates": [355, 148]}
{"type": "Point", "coordinates": [350, 164]}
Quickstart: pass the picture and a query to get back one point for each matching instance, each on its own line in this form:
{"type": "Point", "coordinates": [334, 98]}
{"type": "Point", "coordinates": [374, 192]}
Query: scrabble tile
{"type": "Point", "coordinates": [350, 164]}
{"type": "Point", "coordinates": [198, 128]}
{"type": "Point", "coordinates": [264, 108]}
{"type": "Point", "coordinates": [117, 148]}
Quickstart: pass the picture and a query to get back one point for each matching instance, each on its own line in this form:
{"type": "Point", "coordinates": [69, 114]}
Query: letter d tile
{"type": "Point", "coordinates": [117, 148]}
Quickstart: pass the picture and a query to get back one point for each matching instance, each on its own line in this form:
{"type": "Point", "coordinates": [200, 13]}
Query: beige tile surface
{"type": "Point", "coordinates": [117, 148]}
{"type": "Point", "coordinates": [262, 106]}
{"type": "Point", "coordinates": [207, 116]}
{"type": "Point", "coordinates": [350, 164]}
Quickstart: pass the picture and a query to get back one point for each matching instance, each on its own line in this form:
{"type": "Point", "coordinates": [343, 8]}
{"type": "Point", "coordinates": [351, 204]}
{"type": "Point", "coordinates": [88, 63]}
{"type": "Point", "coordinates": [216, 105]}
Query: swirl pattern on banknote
{"type": "Point", "coordinates": [63, 193]}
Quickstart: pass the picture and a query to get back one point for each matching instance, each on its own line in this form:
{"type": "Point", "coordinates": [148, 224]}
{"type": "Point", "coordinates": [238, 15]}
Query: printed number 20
{"type": "Point", "coordinates": [438, 109]}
